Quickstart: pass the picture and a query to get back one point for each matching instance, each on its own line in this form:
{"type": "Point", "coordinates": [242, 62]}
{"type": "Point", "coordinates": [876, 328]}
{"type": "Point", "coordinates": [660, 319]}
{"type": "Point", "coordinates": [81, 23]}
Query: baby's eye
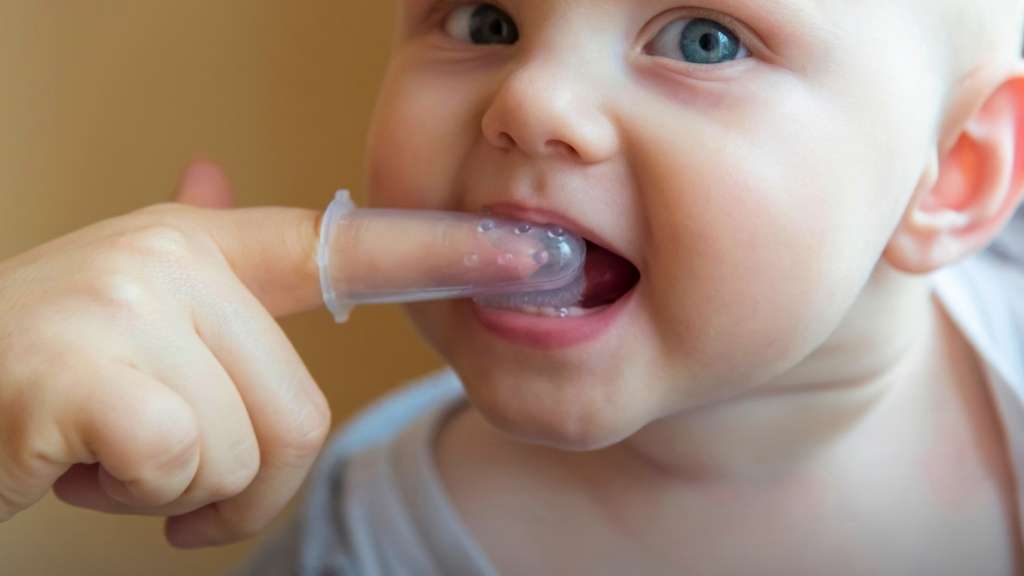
{"type": "Point", "coordinates": [481, 23]}
{"type": "Point", "coordinates": [698, 41]}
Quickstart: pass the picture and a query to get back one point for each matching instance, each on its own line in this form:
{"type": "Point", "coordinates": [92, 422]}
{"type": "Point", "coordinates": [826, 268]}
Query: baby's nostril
{"type": "Point", "coordinates": [559, 146]}
{"type": "Point", "coordinates": [505, 140]}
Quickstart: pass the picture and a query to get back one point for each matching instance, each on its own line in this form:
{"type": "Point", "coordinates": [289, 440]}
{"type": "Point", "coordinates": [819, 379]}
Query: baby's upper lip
{"type": "Point", "coordinates": [542, 215]}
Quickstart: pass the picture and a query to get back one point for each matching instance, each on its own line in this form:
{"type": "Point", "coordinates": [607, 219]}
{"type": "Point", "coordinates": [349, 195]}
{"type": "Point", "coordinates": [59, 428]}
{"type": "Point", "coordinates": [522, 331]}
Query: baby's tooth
{"type": "Point", "coordinates": [549, 311]}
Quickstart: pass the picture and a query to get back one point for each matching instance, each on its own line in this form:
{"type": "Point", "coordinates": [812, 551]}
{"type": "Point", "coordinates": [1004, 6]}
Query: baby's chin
{"type": "Point", "coordinates": [582, 399]}
{"type": "Point", "coordinates": [577, 408]}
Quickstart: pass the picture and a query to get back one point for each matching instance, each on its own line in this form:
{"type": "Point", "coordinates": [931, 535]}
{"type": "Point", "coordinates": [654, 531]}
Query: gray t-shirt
{"type": "Point", "coordinates": [376, 504]}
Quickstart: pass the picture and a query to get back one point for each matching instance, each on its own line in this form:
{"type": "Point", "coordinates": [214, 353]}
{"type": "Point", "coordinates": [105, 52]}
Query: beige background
{"type": "Point", "coordinates": [102, 102]}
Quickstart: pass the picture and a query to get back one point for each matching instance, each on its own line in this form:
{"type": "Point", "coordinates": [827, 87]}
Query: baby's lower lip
{"type": "Point", "coordinates": [551, 329]}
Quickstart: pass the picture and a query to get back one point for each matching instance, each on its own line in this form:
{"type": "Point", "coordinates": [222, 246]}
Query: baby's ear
{"type": "Point", "coordinates": [969, 196]}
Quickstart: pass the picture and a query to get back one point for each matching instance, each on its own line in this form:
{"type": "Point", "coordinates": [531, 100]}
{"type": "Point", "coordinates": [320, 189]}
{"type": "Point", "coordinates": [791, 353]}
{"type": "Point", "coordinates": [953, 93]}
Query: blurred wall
{"type": "Point", "coordinates": [103, 102]}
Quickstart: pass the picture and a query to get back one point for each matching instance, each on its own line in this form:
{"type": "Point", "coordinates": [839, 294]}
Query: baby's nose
{"type": "Point", "coordinates": [542, 110]}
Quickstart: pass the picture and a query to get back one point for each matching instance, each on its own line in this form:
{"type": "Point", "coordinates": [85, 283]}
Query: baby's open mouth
{"type": "Point", "coordinates": [607, 278]}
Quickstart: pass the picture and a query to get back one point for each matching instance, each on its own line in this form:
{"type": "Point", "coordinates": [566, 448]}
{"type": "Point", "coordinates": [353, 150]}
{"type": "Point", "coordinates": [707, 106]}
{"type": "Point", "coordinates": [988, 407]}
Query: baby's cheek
{"type": "Point", "coordinates": [419, 137]}
{"type": "Point", "coordinates": [750, 306]}
{"type": "Point", "coordinates": [741, 282]}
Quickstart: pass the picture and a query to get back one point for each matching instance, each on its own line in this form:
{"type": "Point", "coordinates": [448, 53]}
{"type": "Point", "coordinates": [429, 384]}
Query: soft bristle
{"type": "Point", "coordinates": [564, 297]}
{"type": "Point", "coordinates": [606, 278]}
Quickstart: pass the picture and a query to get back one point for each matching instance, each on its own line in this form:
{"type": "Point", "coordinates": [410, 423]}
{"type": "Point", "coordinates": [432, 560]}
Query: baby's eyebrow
{"type": "Point", "coordinates": [803, 9]}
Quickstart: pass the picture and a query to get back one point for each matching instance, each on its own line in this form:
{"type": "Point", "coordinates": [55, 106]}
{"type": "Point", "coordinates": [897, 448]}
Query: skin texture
{"type": "Point", "coordinates": [784, 211]}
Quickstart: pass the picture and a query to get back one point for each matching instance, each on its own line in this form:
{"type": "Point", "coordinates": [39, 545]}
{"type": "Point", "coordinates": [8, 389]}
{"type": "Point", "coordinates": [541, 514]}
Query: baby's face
{"type": "Point", "coordinates": [748, 160]}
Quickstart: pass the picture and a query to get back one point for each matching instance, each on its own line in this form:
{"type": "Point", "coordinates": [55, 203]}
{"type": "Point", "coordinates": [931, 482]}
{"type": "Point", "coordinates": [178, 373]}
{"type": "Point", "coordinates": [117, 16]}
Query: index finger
{"type": "Point", "coordinates": [294, 260]}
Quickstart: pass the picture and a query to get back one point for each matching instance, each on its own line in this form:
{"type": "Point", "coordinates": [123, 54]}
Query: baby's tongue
{"type": "Point", "coordinates": [608, 277]}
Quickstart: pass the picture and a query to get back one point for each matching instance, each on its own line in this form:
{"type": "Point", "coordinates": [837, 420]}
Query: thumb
{"type": "Point", "coordinates": [204, 184]}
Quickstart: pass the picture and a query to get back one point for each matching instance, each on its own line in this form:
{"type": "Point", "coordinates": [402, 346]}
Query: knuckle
{"type": "Point", "coordinates": [162, 243]}
{"type": "Point", "coordinates": [174, 451]}
{"type": "Point", "coordinates": [308, 432]}
{"type": "Point", "coordinates": [129, 268]}
{"type": "Point", "coordinates": [161, 442]}
{"type": "Point", "coordinates": [123, 294]}
{"type": "Point", "coordinates": [227, 485]}
{"type": "Point", "coordinates": [234, 479]}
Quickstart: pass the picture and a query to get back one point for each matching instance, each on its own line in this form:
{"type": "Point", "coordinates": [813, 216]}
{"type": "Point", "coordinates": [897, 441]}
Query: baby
{"type": "Point", "coordinates": [763, 375]}
{"type": "Point", "coordinates": [791, 354]}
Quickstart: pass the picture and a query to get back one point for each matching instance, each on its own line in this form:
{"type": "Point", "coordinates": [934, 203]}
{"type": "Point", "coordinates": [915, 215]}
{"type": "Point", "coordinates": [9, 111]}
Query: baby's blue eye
{"type": "Point", "coordinates": [481, 24]}
{"type": "Point", "coordinates": [698, 41]}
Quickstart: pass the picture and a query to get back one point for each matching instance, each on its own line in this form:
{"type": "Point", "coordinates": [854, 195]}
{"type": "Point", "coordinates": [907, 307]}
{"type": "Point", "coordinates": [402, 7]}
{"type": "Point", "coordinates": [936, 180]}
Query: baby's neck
{"type": "Point", "coordinates": [827, 400]}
